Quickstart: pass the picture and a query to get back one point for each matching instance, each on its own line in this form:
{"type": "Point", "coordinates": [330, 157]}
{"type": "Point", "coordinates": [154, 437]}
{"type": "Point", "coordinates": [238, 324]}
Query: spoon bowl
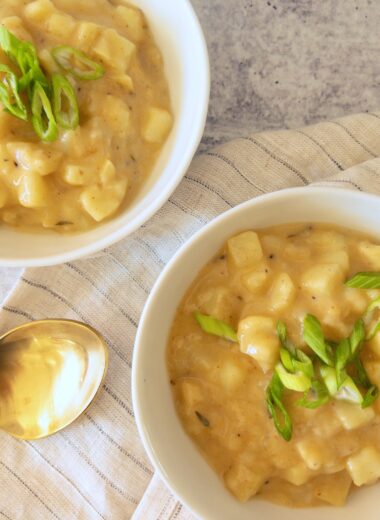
{"type": "Point", "coordinates": [50, 371]}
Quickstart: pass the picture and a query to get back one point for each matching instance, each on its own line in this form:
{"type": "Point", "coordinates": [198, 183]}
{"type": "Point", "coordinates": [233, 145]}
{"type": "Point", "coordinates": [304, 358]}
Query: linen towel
{"type": "Point", "coordinates": [97, 468]}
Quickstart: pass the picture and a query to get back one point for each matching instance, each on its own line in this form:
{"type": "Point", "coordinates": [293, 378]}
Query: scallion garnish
{"type": "Point", "coordinates": [368, 319]}
{"type": "Point", "coordinates": [65, 104]}
{"type": "Point", "coordinates": [342, 357]}
{"type": "Point", "coordinates": [276, 408]}
{"type": "Point", "coordinates": [348, 391]}
{"type": "Point", "coordinates": [9, 94]}
{"type": "Point", "coordinates": [299, 381]}
{"type": "Point", "coordinates": [23, 54]}
{"type": "Point", "coordinates": [371, 395]}
{"type": "Point", "coordinates": [43, 119]}
{"type": "Point", "coordinates": [293, 359]}
{"type": "Point", "coordinates": [314, 338]}
{"type": "Point", "coordinates": [317, 396]}
{"type": "Point", "coordinates": [216, 327]}
{"type": "Point", "coordinates": [77, 63]}
{"type": "Point", "coordinates": [364, 281]}
{"type": "Point", "coordinates": [336, 372]}
{"type": "Point", "coordinates": [357, 337]}
{"type": "Point", "coordinates": [52, 103]}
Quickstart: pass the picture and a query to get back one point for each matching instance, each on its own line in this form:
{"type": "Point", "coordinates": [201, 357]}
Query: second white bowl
{"type": "Point", "coordinates": [180, 38]}
{"type": "Point", "coordinates": [169, 448]}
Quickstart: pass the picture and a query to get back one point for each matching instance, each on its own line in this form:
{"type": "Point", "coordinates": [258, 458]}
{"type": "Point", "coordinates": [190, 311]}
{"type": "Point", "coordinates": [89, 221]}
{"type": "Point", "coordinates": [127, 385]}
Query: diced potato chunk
{"type": "Point", "coordinates": [282, 293]}
{"type": "Point", "coordinates": [124, 80]}
{"type": "Point", "coordinates": [40, 159]}
{"type": "Point", "coordinates": [258, 338]}
{"type": "Point", "coordinates": [60, 25]}
{"type": "Point", "coordinates": [297, 475]}
{"type": "Point", "coordinates": [333, 489]}
{"type": "Point", "coordinates": [273, 244]}
{"type": "Point", "coordinates": [322, 278]}
{"type": "Point", "coordinates": [39, 10]}
{"type": "Point", "coordinates": [48, 62]}
{"type": "Point", "coordinates": [339, 257]}
{"type": "Point", "coordinates": [352, 415]}
{"type": "Point", "coordinates": [245, 249]}
{"type": "Point", "coordinates": [356, 299]}
{"type": "Point", "coordinates": [374, 344]}
{"type": "Point", "coordinates": [107, 172]}
{"type": "Point", "coordinates": [15, 25]}
{"type": "Point", "coordinates": [117, 115]}
{"type": "Point", "coordinates": [329, 427]}
{"type": "Point", "coordinates": [371, 253]}
{"type": "Point", "coordinates": [86, 35]}
{"type": "Point", "coordinates": [76, 175]}
{"type": "Point", "coordinates": [364, 467]}
{"type": "Point", "coordinates": [296, 253]}
{"type": "Point", "coordinates": [243, 482]}
{"type": "Point", "coordinates": [256, 280]}
{"type": "Point", "coordinates": [191, 393]}
{"type": "Point", "coordinates": [157, 125]}
{"type": "Point", "coordinates": [115, 50]}
{"type": "Point", "coordinates": [100, 203]}
{"type": "Point", "coordinates": [327, 239]}
{"type": "Point", "coordinates": [232, 375]}
{"type": "Point", "coordinates": [32, 191]}
{"type": "Point", "coordinates": [373, 371]}
{"type": "Point", "coordinates": [133, 19]}
{"type": "Point", "coordinates": [314, 453]}
{"type": "Point", "coordinates": [216, 302]}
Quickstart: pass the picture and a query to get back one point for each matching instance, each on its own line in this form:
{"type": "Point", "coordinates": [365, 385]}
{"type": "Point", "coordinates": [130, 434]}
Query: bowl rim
{"type": "Point", "coordinates": [130, 227]}
{"type": "Point", "coordinates": [151, 304]}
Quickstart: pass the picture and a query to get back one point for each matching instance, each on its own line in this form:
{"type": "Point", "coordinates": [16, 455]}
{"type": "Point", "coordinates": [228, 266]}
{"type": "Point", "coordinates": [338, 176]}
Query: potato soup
{"type": "Point", "coordinates": [274, 359]}
{"type": "Point", "coordinates": [90, 172]}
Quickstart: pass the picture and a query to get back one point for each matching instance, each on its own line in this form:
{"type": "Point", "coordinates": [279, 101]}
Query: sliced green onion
{"type": "Point", "coordinates": [298, 382]}
{"type": "Point", "coordinates": [293, 359]}
{"type": "Point", "coordinates": [9, 94]}
{"type": "Point", "coordinates": [373, 331]}
{"type": "Point", "coordinates": [375, 304]}
{"type": "Point", "coordinates": [370, 397]}
{"type": "Point", "coordinates": [368, 318]}
{"type": "Point", "coordinates": [329, 379]}
{"type": "Point", "coordinates": [43, 119]}
{"type": "Point", "coordinates": [8, 42]}
{"type": "Point", "coordinates": [77, 63]}
{"type": "Point", "coordinates": [357, 337]}
{"type": "Point", "coordinates": [348, 391]}
{"type": "Point", "coordinates": [364, 281]}
{"type": "Point", "coordinates": [316, 397]}
{"type": "Point", "coordinates": [24, 54]}
{"type": "Point", "coordinates": [282, 333]}
{"type": "Point", "coordinates": [64, 96]}
{"type": "Point", "coordinates": [303, 363]}
{"type": "Point", "coordinates": [276, 408]}
{"type": "Point", "coordinates": [362, 376]}
{"type": "Point", "coordinates": [216, 327]}
{"type": "Point", "coordinates": [342, 357]}
{"type": "Point", "coordinates": [287, 359]}
{"type": "Point", "coordinates": [313, 336]}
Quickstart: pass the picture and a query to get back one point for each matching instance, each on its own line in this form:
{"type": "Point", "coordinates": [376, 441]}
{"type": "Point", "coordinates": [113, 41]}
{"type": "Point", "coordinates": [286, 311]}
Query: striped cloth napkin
{"type": "Point", "coordinates": [97, 468]}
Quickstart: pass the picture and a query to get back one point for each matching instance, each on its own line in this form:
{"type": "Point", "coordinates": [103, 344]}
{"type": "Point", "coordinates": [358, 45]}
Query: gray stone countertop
{"type": "Point", "coordinates": [283, 63]}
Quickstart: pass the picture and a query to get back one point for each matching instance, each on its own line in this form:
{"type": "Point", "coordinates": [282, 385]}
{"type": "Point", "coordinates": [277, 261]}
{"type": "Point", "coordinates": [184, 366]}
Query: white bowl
{"type": "Point", "coordinates": [180, 38]}
{"type": "Point", "coordinates": [171, 451]}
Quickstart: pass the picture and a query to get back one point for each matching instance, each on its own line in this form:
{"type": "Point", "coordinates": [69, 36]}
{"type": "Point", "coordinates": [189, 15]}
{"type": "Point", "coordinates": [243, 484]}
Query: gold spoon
{"type": "Point", "coordinates": [50, 371]}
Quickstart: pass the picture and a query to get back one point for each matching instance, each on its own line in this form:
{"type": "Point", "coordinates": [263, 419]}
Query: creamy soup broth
{"type": "Point", "coordinates": [254, 280]}
{"type": "Point", "coordinates": [95, 170]}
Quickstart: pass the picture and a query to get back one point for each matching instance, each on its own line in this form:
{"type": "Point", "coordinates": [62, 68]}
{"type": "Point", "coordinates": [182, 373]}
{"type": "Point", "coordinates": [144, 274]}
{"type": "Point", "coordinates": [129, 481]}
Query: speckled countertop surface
{"type": "Point", "coordinates": [284, 63]}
